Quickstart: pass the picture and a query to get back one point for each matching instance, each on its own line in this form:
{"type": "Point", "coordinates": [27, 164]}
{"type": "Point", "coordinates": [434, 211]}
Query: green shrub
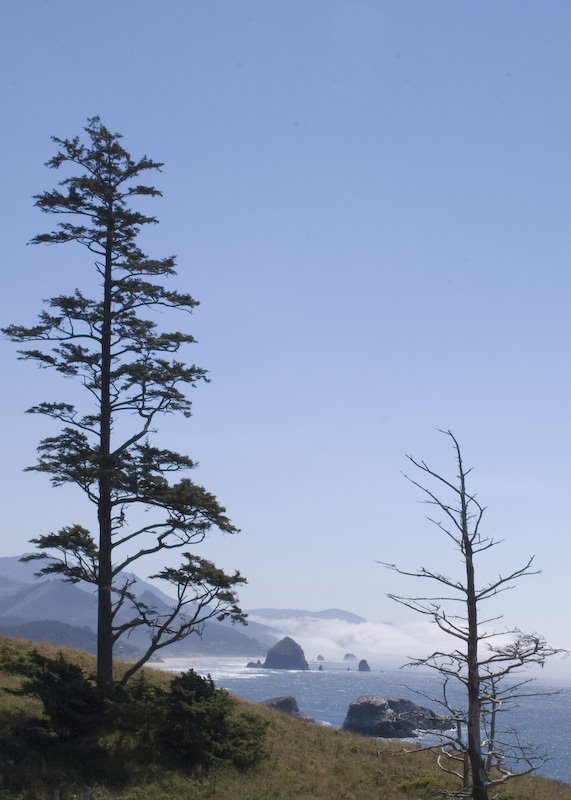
{"type": "Point", "coordinates": [73, 705]}
{"type": "Point", "coordinates": [136, 714]}
{"type": "Point", "coordinates": [85, 735]}
{"type": "Point", "coordinates": [200, 726]}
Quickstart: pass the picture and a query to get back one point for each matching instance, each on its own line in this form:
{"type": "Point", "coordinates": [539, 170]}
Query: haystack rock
{"type": "Point", "coordinates": [390, 719]}
{"type": "Point", "coordinates": [286, 654]}
{"type": "Point", "coordinates": [363, 666]}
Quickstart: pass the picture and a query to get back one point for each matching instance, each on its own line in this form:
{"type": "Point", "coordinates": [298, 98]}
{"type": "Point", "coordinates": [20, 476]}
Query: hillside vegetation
{"type": "Point", "coordinates": [300, 760]}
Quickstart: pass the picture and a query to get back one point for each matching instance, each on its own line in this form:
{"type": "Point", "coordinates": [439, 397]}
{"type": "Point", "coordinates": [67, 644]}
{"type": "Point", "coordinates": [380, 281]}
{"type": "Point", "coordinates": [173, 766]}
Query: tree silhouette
{"type": "Point", "coordinates": [130, 374]}
{"type": "Point", "coordinates": [484, 662]}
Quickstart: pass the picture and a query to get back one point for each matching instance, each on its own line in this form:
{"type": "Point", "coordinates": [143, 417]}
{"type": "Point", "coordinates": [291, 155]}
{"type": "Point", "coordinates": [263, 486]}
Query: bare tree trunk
{"type": "Point", "coordinates": [479, 791]}
{"type": "Point", "coordinates": [492, 727]}
{"type": "Point", "coordinates": [466, 773]}
{"type": "Point", "coordinates": [484, 677]}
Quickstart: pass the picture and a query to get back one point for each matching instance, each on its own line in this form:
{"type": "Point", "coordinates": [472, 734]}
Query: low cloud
{"type": "Point", "coordinates": [378, 642]}
{"type": "Point", "coordinates": [383, 644]}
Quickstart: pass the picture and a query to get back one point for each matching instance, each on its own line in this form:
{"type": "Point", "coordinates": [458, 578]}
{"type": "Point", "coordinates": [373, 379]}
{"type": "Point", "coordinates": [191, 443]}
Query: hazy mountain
{"type": "Point", "coordinates": [48, 630]}
{"type": "Point", "coordinates": [12, 569]}
{"type": "Point", "coordinates": [49, 600]}
{"type": "Point", "coordinates": [49, 609]}
{"type": "Point", "coordinates": [8, 586]}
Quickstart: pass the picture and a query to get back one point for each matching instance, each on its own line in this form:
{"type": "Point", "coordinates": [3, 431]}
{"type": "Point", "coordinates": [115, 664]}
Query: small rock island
{"type": "Point", "coordinates": [285, 654]}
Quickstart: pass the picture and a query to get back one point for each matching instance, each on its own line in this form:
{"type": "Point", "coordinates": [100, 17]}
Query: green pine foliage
{"type": "Point", "coordinates": [129, 373]}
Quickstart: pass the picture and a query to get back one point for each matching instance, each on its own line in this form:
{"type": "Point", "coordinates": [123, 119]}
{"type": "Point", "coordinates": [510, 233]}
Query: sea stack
{"type": "Point", "coordinates": [286, 654]}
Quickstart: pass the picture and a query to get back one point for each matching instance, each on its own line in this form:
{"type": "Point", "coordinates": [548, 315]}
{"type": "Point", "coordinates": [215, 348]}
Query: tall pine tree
{"type": "Point", "coordinates": [130, 374]}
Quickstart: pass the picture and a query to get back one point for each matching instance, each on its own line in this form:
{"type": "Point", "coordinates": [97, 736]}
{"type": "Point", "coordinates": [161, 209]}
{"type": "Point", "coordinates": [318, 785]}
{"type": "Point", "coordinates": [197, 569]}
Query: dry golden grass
{"type": "Point", "coordinates": [308, 762]}
{"type": "Point", "coordinates": [304, 762]}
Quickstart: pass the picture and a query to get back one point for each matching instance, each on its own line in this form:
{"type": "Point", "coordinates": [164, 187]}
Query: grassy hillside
{"type": "Point", "coordinates": [303, 761]}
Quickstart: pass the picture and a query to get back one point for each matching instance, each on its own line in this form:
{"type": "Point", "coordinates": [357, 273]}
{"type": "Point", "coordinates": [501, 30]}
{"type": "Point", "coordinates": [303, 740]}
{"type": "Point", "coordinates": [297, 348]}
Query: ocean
{"type": "Point", "coordinates": [543, 721]}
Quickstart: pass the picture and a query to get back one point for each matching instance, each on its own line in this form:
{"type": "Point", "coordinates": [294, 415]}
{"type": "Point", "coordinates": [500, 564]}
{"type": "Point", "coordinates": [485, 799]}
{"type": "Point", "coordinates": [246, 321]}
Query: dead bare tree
{"type": "Point", "coordinates": [484, 662]}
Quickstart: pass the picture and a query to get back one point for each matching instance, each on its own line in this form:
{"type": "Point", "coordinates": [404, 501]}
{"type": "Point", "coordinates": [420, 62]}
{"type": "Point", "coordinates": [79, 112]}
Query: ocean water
{"type": "Point", "coordinates": [543, 721]}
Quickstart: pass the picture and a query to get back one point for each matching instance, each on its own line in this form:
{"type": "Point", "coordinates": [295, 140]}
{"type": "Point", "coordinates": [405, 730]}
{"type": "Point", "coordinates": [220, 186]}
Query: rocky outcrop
{"type": "Point", "coordinates": [363, 666]}
{"type": "Point", "coordinates": [286, 705]}
{"type": "Point", "coordinates": [286, 654]}
{"type": "Point", "coordinates": [349, 657]}
{"type": "Point", "coordinates": [372, 715]}
{"type": "Point", "coordinates": [320, 658]}
{"type": "Point", "coordinates": [254, 664]}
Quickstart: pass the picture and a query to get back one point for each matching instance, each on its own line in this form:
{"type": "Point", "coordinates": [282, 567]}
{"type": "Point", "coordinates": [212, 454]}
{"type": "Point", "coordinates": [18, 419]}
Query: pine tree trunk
{"type": "Point", "coordinates": [104, 610]}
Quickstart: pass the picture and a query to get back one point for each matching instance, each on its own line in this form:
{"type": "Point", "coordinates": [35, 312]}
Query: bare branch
{"type": "Point", "coordinates": [479, 755]}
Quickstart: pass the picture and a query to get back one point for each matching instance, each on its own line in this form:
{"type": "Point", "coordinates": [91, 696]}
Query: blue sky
{"type": "Point", "coordinates": [372, 202]}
